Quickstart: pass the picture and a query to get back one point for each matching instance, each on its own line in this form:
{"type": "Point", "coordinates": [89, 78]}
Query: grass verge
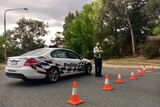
{"type": "Point", "coordinates": [133, 61]}
{"type": "Point", "coordinates": [2, 66]}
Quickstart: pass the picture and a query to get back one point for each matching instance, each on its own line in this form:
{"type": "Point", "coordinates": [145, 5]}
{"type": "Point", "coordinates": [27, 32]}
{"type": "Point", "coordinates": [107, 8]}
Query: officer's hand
{"type": "Point", "coordinates": [98, 52]}
{"type": "Point", "coordinates": [101, 51]}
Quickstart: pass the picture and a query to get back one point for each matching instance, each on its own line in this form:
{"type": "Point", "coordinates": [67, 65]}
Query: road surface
{"type": "Point", "coordinates": [143, 92]}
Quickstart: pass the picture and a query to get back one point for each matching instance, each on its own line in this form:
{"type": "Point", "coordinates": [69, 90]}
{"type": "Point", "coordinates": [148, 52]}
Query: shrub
{"type": "Point", "coordinates": [150, 50]}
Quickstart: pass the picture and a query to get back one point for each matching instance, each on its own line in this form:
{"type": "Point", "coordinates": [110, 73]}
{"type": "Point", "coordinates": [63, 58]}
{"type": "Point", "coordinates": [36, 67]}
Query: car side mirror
{"type": "Point", "coordinates": [81, 57]}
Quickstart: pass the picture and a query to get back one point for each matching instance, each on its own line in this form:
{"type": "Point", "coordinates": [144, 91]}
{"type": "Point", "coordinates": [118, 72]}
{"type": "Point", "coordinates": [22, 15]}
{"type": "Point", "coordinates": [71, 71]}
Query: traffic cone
{"type": "Point", "coordinates": [152, 68]}
{"type": "Point", "coordinates": [107, 86]}
{"type": "Point", "coordinates": [139, 74]}
{"type": "Point", "coordinates": [119, 79]}
{"type": "Point", "coordinates": [75, 100]}
{"type": "Point", "coordinates": [144, 69]}
{"type": "Point", "coordinates": [132, 77]}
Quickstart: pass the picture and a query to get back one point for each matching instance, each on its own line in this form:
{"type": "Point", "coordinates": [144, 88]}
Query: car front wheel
{"type": "Point", "coordinates": [52, 75]}
{"type": "Point", "coordinates": [88, 69]}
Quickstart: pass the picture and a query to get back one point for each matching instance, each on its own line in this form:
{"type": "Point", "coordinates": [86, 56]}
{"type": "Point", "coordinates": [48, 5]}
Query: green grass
{"type": "Point", "coordinates": [133, 61]}
{"type": "Point", "coordinates": [2, 66]}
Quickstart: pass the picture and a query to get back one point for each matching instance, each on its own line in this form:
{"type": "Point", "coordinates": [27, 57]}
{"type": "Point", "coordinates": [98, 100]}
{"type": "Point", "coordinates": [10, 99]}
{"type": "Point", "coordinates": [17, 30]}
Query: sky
{"type": "Point", "coordinates": [52, 12]}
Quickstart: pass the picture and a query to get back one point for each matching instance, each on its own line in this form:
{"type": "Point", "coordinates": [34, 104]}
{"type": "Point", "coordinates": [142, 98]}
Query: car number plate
{"type": "Point", "coordinates": [14, 62]}
{"type": "Point", "coordinates": [10, 70]}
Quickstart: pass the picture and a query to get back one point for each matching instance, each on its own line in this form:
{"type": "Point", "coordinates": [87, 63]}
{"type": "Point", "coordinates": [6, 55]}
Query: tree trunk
{"type": "Point", "coordinates": [132, 34]}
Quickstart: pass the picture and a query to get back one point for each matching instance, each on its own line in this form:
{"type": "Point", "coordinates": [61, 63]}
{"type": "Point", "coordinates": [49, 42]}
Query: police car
{"type": "Point", "coordinates": [48, 64]}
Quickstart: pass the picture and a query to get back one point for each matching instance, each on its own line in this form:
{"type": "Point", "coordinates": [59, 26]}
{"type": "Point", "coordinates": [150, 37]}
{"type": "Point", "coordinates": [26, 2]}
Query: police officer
{"type": "Point", "coordinates": [98, 60]}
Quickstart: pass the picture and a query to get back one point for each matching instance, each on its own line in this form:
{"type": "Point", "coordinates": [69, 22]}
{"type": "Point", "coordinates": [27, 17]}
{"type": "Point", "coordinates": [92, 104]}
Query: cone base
{"type": "Point", "coordinates": [107, 87]}
{"type": "Point", "coordinates": [152, 69]}
{"type": "Point", "coordinates": [144, 71]}
{"type": "Point", "coordinates": [132, 78]}
{"type": "Point", "coordinates": [120, 81]}
{"type": "Point", "coordinates": [139, 75]}
{"type": "Point", "coordinates": [75, 102]}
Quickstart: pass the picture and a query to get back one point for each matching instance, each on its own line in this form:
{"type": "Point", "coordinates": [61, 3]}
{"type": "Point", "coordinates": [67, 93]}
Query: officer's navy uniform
{"type": "Point", "coordinates": [98, 61]}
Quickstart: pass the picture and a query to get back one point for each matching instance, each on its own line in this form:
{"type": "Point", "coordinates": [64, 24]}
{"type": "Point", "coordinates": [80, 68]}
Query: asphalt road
{"type": "Point", "coordinates": [144, 92]}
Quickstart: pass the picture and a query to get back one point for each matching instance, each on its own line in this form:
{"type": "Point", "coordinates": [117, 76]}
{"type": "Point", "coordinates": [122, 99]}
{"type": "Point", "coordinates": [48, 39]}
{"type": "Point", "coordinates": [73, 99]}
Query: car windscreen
{"type": "Point", "coordinates": [36, 52]}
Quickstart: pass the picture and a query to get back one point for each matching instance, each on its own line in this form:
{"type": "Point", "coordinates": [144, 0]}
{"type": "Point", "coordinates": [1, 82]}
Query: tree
{"type": "Point", "coordinates": [27, 35]}
{"type": "Point", "coordinates": [152, 9]}
{"type": "Point", "coordinates": [134, 19]}
{"type": "Point", "coordinates": [156, 29]}
{"type": "Point", "coordinates": [120, 25]}
{"type": "Point", "coordinates": [97, 16]}
{"type": "Point", "coordinates": [126, 9]}
{"type": "Point", "coordinates": [1, 48]}
{"type": "Point", "coordinates": [108, 26]}
{"type": "Point", "coordinates": [78, 36]}
{"type": "Point", "coordinates": [68, 20]}
{"type": "Point", "coordinates": [59, 40]}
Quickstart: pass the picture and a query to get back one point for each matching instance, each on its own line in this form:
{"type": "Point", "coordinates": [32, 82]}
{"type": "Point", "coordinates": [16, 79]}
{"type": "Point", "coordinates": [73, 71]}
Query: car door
{"type": "Point", "coordinates": [75, 61]}
{"type": "Point", "coordinates": [59, 58]}
{"type": "Point", "coordinates": [67, 61]}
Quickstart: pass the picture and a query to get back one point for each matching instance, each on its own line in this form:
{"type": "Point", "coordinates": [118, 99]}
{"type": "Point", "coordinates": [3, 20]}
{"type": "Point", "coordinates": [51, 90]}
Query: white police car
{"type": "Point", "coordinates": [48, 64]}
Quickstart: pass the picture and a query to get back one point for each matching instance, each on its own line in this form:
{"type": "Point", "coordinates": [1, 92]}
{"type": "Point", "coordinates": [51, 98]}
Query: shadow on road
{"type": "Point", "coordinates": [36, 83]}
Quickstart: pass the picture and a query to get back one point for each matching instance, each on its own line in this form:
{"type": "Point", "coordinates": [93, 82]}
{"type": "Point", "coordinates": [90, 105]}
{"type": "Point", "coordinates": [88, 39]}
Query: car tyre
{"type": "Point", "coordinates": [52, 75]}
{"type": "Point", "coordinates": [88, 69]}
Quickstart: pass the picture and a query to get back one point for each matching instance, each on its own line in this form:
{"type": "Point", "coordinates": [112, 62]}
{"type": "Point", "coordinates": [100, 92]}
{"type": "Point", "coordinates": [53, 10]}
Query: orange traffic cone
{"type": "Point", "coordinates": [119, 79]}
{"type": "Point", "coordinates": [139, 74]}
{"type": "Point", "coordinates": [75, 100]}
{"type": "Point", "coordinates": [107, 86]}
{"type": "Point", "coordinates": [132, 77]}
{"type": "Point", "coordinates": [144, 69]}
{"type": "Point", "coordinates": [152, 68]}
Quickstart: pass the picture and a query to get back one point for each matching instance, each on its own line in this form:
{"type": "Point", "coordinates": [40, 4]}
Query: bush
{"type": "Point", "coordinates": [150, 50]}
{"type": "Point", "coordinates": [88, 55]}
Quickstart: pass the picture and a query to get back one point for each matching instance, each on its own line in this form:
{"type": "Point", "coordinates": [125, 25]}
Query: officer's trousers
{"type": "Point", "coordinates": [98, 66]}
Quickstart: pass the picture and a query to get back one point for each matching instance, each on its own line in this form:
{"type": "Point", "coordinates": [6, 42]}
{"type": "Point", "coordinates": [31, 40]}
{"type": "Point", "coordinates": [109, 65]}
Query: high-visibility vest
{"type": "Point", "coordinates": [97, 49]}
